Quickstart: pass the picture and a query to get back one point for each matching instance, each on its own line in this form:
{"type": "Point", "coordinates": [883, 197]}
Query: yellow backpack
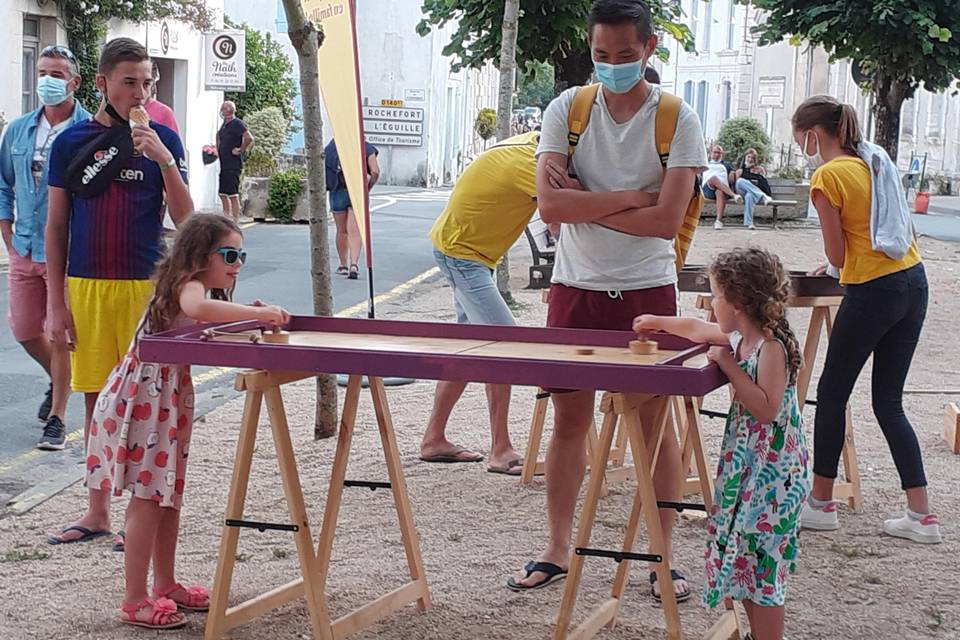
{"type": "Point", "coordinates": [668, 110]}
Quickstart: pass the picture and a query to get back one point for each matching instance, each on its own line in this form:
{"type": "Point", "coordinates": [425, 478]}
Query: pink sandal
{"type": "Point", "coordinates": [164, 614]}
{"type": "Point", "coordinates": [197, 597]}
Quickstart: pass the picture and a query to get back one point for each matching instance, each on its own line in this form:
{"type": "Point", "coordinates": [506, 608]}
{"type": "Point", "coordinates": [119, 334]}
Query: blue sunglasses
{"type": "Point", "coordinates": [232, 256]}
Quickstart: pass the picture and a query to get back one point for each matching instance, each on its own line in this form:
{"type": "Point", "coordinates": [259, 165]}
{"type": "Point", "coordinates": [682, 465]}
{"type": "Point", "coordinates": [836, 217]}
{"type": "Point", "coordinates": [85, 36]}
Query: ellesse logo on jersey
{"type": "Point", "coordinates": [100, 160]}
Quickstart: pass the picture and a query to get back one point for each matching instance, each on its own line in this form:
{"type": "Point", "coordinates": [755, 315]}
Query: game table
{"type": "Point", "coordinates": [529, 356]}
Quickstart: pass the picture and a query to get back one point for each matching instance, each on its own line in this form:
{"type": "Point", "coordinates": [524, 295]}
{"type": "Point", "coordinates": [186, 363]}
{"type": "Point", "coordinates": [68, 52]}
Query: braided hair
{"type": "Point", "coordinates": [754, 281]}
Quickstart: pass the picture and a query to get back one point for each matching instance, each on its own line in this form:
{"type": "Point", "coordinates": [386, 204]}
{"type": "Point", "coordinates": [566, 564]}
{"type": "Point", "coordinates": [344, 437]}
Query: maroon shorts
{"type": "Point", "coordinates": [572, 308]}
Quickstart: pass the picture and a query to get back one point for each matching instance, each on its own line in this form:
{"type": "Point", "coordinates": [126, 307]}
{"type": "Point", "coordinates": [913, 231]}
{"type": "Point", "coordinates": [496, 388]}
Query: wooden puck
{"type": "Point", "coordinates": [643, 347]}
{"type": "Point", "coordinates": [584, 351]}
{"type": "Point", "coordinates": [276, 337]}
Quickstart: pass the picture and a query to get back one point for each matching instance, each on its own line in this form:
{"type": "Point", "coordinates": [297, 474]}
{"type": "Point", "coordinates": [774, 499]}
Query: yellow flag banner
{"type": "Point", "coordinates": [339, 65]}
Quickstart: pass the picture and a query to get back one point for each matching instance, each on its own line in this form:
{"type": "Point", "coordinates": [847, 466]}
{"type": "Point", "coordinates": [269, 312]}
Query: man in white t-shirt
{"type": "Point", "coordinates": [615, 257]}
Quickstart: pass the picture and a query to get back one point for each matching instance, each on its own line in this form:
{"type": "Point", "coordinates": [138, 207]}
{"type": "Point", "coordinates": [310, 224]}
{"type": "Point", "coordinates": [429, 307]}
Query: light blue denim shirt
{"type": "Point", "coordinates": [23, 201]}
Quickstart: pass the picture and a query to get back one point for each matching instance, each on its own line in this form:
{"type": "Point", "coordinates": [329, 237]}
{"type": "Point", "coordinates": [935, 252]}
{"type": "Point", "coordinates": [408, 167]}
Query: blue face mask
{"type": "Point", "coordinates": [619, 78]}
{"type": "Point", "coordinates": [52, 91]}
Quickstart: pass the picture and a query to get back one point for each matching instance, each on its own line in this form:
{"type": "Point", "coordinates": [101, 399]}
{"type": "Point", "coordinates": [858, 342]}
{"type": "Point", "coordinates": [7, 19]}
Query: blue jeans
{"type": "Point", "coordinates": [475, 295]}
{"type": "Point", "coordinates": [751, 196]}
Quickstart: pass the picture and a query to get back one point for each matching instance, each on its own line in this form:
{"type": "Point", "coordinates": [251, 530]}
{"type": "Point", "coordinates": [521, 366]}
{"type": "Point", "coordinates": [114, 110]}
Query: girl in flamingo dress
{"type": "Point", "coordinates": [140, 432]}
{"type": "Point", "coordinates": [762, 477]}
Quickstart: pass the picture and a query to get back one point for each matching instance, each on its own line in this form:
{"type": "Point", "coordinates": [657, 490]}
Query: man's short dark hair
{"type": "Point", "coordinates": [620, 12]}
{"type": "Point", "coordinates": [121, 50]}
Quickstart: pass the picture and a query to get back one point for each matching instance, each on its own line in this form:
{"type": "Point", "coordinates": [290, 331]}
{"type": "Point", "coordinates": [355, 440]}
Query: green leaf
{"type": "Point", "coordinates": [945, 35]}
{"type": "Point", "coordinates": [934, 31]}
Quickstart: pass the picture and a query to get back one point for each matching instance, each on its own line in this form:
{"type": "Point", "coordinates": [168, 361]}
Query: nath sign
{"type": "Point", "coordinates": [397, 126]}
{"type": "Point", "coordinates": [225, 61]}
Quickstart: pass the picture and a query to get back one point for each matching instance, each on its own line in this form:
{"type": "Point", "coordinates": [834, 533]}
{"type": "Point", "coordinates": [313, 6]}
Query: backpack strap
{"type": "Point", "coordinates": [579, 115]}
{"type": "Point", "coordinates": [668, 112]}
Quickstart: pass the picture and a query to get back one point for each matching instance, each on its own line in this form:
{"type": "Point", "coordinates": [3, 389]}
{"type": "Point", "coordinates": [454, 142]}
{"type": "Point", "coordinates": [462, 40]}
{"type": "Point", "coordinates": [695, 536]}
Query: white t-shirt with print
{"type": "Point", "coordinates": [615, 156]}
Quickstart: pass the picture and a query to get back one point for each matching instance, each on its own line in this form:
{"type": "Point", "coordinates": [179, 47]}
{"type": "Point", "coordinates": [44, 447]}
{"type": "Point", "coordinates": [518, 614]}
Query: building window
{"type": "Point", "coordinates": [688, 92]}
{"type": "Point", "coordinates": [707, 25]}
{"type": "Point", "coordinates": [31, 52]}
{"type": "Point", "coordinates": [694, 20]}
{"type": "Point", "coordinates": [702, 89]}
{"type": "Point", "coordinates": [907, 113]}
{"type": "Point", "coordinates": [731, 23]}
{"type": "Point", "coordinates": [727, 99]}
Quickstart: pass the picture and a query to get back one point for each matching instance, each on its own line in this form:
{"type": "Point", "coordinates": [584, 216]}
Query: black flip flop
{"type": "Point", "coordinates": [452, 456]}
{"type": "Point", "coordinates": [85, 535]}
{"type": "Point", "coordinates": [674, 576]}
{"type": "Point", "coordinates": [512, 468]}
{"type": "Point", "coordinates": [120, 546]}
{"type": "Point", "coordinates": [554, 573]}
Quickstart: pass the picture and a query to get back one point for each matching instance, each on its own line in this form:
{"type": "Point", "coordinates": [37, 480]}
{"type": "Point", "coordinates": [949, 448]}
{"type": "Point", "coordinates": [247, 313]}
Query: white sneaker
{"type": "Point", "coordinates": [751, 227]}
{"type": "Point", "coordinates": [718, 225]}
{"type": "Point", "coordinates": [824, 519]}
{"type": "Point", "coordinates": [926, 530]}
{"type": "Point", "coordinates": [767, 199]}
{"type": "Point", "coordinates": [737, 199]}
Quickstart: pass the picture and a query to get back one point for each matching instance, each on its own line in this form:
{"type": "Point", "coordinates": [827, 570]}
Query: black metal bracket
{"type": "Point", "coordinates": [543, 395]}
{"type": "Point", "coordinates": [811, 403]}
{"type": "Point", "coordinates": [373, 486]}
{"type": "Point", "coordinates": [681, 506]}
{"type": "Point", "coordinates": [262, 526]}
{"type": "Point", "coordinates": [619, 556]}
{"type": "Point", "coordinates": [713, 414]}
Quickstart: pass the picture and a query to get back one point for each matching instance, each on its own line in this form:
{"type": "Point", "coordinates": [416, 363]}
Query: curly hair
{"type": "Point", "coordinates": [197, 238]}
{"type": "Point", "coordinates": [754, 281]}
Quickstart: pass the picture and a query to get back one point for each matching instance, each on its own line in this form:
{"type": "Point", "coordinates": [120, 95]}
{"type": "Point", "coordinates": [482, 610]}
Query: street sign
{"type": "Point", "coordinates": [393, 126]}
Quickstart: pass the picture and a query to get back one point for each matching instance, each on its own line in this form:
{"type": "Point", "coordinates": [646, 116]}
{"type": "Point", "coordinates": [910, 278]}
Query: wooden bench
{"type": "Point", "coordinates": [542, 268]}
{"type": "Point", "coordinates": [783, 194]}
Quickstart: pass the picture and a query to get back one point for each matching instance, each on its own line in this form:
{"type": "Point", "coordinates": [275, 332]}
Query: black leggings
{"type": "Point", "coordinates": [883, 317]}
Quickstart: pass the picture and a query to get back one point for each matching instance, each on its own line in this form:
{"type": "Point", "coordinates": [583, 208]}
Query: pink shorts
{"type": "Point", "coordinates": [27, 312]}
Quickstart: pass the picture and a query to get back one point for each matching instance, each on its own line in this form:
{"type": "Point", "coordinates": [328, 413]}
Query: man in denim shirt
{"type": "Point", "coordinates": [23, 216]}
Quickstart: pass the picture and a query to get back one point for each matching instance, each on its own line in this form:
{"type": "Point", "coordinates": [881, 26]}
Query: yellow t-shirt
{"type": "Point", "coordinates": [845, 181]}
{"type": "Point", "coordinates": [491, 203]}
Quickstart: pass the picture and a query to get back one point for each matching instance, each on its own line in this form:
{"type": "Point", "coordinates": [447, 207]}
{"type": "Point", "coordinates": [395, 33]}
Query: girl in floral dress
{"type": "Point", "coordinates": [140, 432]}
{"type": "Point", "coordinates": [762, 477]}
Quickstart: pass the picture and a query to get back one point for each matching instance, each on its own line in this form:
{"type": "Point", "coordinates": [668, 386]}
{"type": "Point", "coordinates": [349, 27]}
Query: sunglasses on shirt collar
{"type": "Point", "coordinates": [232, 256]}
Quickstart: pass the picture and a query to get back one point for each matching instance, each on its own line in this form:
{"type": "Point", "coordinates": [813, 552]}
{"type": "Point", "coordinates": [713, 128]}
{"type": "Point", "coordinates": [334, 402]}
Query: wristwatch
{"type": "Point", "coordinates": [171, 163]}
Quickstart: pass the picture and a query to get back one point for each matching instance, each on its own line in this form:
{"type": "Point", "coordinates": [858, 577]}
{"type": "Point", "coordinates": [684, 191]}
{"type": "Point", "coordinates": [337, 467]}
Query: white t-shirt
{"type": "Point", "coordinates": [44, 140]}
{"type": "Point", "coordinates": [615, 156]}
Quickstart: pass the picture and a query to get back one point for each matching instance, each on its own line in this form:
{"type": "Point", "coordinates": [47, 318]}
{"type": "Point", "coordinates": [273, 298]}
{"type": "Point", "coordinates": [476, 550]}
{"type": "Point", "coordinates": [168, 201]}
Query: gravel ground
{"type": "Point", "coordinates": [477, 528]}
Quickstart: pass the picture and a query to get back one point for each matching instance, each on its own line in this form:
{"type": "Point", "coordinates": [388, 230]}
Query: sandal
{"type": "Point", "coordinates": [163, 614]}
{"type": "Point", "coordinates": [674, 576]}
{"type": "Point", "coordinates": [354, 272]}
{"type": "Point", "coordinates": [553, 572]}
{"type": "Point", "coordinates": [342, 270]}
{"type": "Point", "coordinates": [196, 597]}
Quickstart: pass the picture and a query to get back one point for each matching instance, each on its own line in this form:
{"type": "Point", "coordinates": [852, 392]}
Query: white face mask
{"type": "Point", "coordinates": [814, 161]}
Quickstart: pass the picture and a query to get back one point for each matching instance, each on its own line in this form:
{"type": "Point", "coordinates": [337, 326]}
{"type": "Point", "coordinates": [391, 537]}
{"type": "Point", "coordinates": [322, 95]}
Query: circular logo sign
{"type": "Point", "coordinates": [164, 38]}
{"type": "Point", "coordinates": [224, 47]}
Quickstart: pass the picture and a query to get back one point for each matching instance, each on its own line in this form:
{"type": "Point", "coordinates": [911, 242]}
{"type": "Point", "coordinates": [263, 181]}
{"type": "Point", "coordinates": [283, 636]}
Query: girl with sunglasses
{"type": "Point", "coordinates": [140, 432]}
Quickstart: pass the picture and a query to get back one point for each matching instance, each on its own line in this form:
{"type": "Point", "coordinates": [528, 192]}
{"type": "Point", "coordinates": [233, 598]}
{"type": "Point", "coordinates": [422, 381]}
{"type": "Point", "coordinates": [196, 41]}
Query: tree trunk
{"type": "Point", "coordinates": [889, 93]}
{"type": "Point", "coordinates": [307, 40]}
{"type": "Point", "coordinates": [508, 75]}
{"type": "Point", "coordinates": [572, 69]}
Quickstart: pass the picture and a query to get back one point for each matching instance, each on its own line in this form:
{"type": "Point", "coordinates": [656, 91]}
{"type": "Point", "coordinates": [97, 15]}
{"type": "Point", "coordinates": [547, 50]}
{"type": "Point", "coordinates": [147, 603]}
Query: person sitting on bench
{"type": "Point", "coordinates": [716, 183]}
{"type": "Point", "coordinates": [751, 183]}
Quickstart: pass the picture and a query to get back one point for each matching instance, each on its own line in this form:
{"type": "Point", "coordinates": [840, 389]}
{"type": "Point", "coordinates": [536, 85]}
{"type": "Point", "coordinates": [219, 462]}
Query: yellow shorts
{"type": "Point", "coordinates": [105, 315]}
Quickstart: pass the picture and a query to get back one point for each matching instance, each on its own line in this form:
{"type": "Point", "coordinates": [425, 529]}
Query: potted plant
{"type": "Point", "coordinates": [922, 201]}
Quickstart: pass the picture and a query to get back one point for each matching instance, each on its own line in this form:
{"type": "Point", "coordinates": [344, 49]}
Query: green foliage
{"type": "Point", "coordinates": [789, 172]}
{"type": "Point", "coordinates": [86, 25]}
{"type": "Point", "coordinates": [536, 85]}
{"type": "Point", "coordinates": [269, 130]}
{"type": "Point", "coordinates": [739, 134]}
{"type": "Point", "coordinates": [269, 76]}
{"type": "Point", "coordinates": [486, 123]}
{"type": "Point", "coordinates": [284, 192]}
{"type": "Point", "coordinates": [548, 30]}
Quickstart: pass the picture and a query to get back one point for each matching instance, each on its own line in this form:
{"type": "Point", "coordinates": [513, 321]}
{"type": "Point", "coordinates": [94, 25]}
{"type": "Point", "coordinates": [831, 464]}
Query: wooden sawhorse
{"type": "Point", "coordinates": [264, 385]}
{"type": "Point", "coordinates": [823, 309]}
{"type": "Point", "coordinates": [532, 465]}
{"type": "Point", "coordinates": [645, 453]}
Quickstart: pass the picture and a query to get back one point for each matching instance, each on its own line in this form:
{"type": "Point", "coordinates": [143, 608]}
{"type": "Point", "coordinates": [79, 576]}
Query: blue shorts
{"type": "Point", "coordinates": [340, 201]}
{"type": "Point", "coordinates": [475, 295]}
{"type": "Point", "coordinates": [708, 192]}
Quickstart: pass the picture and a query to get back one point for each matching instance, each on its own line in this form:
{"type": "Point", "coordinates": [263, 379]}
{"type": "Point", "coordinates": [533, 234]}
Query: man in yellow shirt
{"type": "Point", "coordinates": [489, 208]}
